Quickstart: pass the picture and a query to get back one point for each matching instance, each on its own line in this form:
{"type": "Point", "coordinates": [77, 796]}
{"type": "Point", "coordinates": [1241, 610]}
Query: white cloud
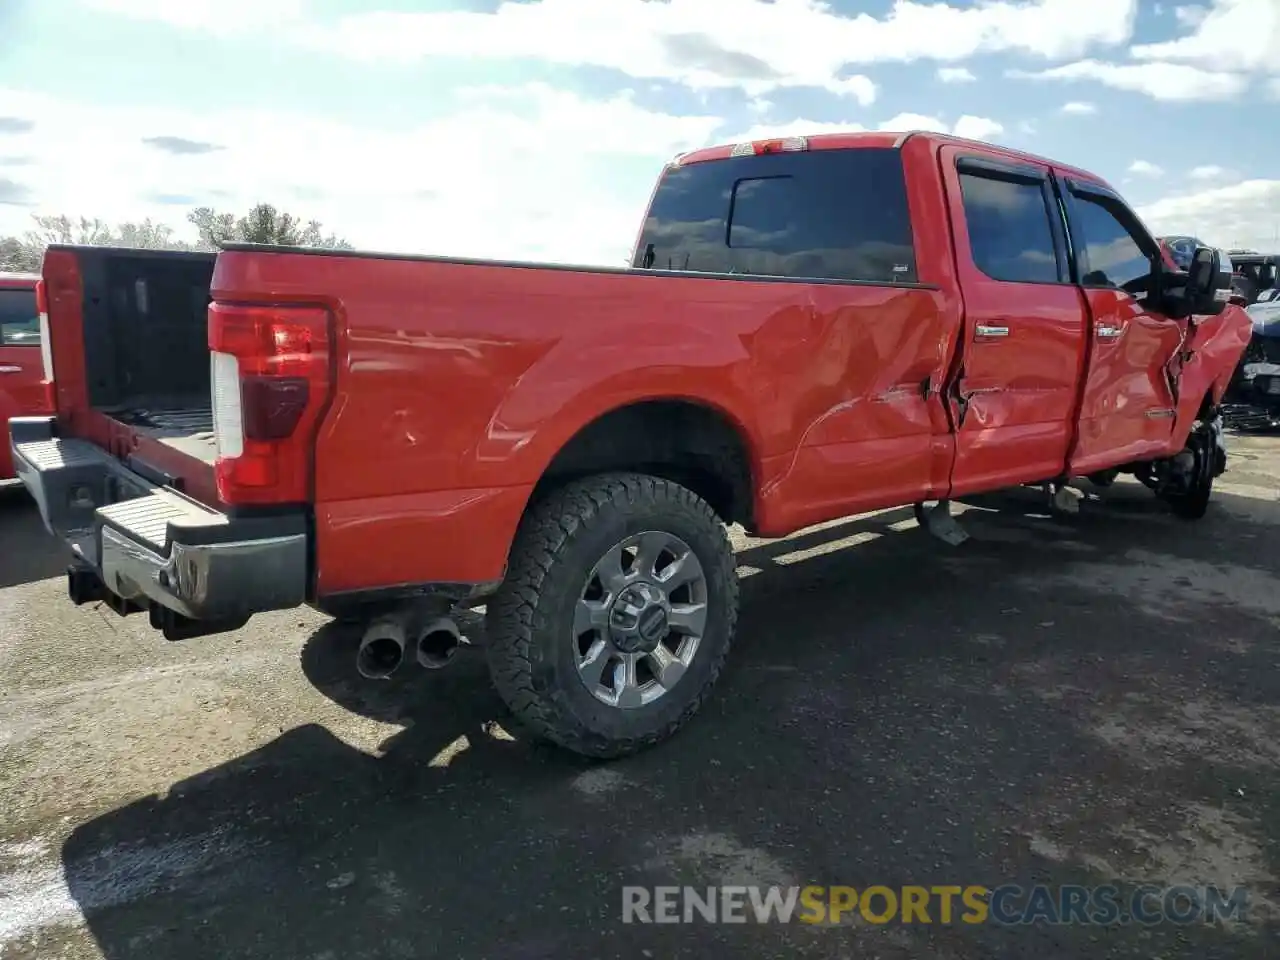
{"type": "Point", "coordinates": [1144, 168]}
{"type": "Point", "coordinates": [1162, 81]}
{"type": "Point", "coordinates": [973, 128]}
{"type": "Point", "coordinates": [1207, 172]}
{"type": "Point", "coordinates": [222, 17]}
{"type": "Point", "coordinates": [1273, 87]}
{"type": "Point", "coordinates": [858, 87]}
{"type": "Point", "coordinates": [793, 128]}
{"type": "Point", "coordinates": [1190, 16]}
{"type": "Point", "coordinates": [755, 45]}
{"type": "Point", "coordinates": [1245, 214]}
{"type": "Point", "coordinates": [1079, 107]}
{"type": "Point", "coordinates": [527, 173]}
{"type": "Point", "coordinates": [956, 75]}
{"type": "Point", "coordinates": [1242, 33]}
{"type": "Point", "coordinates": [977, 128]}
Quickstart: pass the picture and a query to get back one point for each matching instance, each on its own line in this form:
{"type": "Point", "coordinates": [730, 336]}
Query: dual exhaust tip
{"type": "Point", "coordinates": [386, 644]}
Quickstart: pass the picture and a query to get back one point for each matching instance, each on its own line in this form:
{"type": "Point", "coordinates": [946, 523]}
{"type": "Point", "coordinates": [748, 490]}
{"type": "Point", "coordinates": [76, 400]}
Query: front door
{"type": "Point", "coordinates": [1024, 323]}
{"type": "Point", "coordinates": [22, 390]}
{"type": "Point", "coordinates": [1129, 403]}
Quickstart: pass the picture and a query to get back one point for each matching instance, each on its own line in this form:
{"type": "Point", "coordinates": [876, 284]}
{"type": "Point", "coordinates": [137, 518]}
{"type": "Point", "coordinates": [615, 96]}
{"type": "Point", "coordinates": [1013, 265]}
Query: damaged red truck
{"type": "Point", "coordinates": [810, 329]}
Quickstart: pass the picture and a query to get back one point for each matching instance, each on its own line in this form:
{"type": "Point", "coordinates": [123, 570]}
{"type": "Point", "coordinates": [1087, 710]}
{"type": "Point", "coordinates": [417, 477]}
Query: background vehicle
{"type": "Point", "coordinates": [1254, 273]}
{"type": "Point", "coordinates": [811, 329]}
{"type": "Point", "coordinates": [1182, 248]}
{"type": "Point", "coordinates": [1250, 402]}
{"type": "Point", "coordinates": [1253, 398]}
{"type": "Point", "coordinates": [24, 388]}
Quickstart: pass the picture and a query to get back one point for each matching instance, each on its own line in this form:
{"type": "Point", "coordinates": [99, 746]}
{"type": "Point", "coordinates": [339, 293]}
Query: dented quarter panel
{"type": "Point", "coordinates": [459, 383]}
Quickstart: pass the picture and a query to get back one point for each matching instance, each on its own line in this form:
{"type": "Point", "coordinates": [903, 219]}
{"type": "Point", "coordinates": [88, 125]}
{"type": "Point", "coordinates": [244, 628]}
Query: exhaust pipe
{"type": "Point", "coordinates": [381, 649]}
{"type": "Point", "coordinates": [84, 586]}
{"type": "Point", "coordinates": [438, 643]}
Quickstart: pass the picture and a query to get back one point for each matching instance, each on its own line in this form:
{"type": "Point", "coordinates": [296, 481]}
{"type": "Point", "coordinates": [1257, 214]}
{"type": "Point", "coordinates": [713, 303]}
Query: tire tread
{"type": "Point", "coordinates": [515, 616]}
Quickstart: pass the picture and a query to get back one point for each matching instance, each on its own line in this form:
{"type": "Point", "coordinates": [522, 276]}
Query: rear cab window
{"type": "Point", "coordinates": [19, 318]}
{"type": "Point", "coordinates": [828, 215]}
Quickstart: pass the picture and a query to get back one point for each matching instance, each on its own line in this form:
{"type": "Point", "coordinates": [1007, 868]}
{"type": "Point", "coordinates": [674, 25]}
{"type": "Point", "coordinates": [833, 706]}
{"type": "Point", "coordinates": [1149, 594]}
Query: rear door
{"type": "Point", "coordinates": [1024, 331]}
{"type": "Point", "coordinates": [22, 387]}
{"type": "Point", "coordinates": [1128, 406]}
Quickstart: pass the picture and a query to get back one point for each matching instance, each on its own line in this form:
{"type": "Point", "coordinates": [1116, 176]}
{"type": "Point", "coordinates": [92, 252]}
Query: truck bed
{"type": "Point", "coordinates": [187, 428]}
{"type": "Point", "coordinates": [139, 319]}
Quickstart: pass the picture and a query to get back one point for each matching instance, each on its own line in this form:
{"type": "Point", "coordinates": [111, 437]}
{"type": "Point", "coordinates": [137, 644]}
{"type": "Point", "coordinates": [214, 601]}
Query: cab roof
{"type": "Point", "coordinates": [855, 139]}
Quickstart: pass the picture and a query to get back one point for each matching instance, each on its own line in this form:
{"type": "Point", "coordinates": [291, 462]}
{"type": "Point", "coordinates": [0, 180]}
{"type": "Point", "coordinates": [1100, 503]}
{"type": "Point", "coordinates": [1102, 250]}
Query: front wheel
{"type": "Point", "coordinates": [616, 615]}
{"type": "Point", "coordinates": [1191, 500]}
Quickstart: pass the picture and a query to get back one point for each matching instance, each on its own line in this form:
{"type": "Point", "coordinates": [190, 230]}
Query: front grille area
{"type": "Point", "coordinates": [1263, 350]}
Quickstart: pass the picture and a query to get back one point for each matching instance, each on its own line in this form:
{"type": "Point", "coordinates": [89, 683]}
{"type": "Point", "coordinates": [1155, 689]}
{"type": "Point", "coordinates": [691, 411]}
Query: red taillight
{"type": "Point", "coordinates": [46, 340]}
{"type": "Point", "coordinates": [781, 145]}
{"type": "Point", "coordinates": [270, 381]}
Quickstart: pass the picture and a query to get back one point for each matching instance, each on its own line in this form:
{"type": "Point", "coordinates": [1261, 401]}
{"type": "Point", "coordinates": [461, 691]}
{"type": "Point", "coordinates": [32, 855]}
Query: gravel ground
{"type": "Point", "coordinates": [1083, 701]}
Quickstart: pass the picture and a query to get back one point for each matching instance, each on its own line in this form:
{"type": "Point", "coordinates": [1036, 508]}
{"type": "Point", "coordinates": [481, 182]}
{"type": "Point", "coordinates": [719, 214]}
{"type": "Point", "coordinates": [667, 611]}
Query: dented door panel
{"type": "Point", "coordinates": [1023, 334]}
{"type": "Point", "coordinates": [1129, 401]}
{"type": "Point", "coordinates": [1128, 407]}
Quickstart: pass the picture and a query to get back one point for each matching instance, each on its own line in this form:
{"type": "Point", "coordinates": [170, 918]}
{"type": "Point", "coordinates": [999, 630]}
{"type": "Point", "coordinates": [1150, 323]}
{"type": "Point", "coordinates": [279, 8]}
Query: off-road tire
{"type": "Point", "coordinates": [1194, 503]}
{"type": "Point", "coordinates": [529, 620]}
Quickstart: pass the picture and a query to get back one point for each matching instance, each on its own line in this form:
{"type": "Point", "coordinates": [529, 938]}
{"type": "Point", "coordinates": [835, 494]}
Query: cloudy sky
{"type": "Point", "coordinates": [533, 129]}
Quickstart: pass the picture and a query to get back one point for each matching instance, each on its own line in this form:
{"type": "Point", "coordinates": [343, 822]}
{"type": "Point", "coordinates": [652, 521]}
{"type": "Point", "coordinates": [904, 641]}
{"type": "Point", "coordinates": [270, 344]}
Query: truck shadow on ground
{"type": "Point", "coordinates": [27, 552]}
{"type": "Point", "coordinates": [895, 712]}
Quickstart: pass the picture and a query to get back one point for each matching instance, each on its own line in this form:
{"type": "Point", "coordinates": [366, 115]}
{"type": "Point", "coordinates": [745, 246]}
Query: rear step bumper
{"type": "Point", "coordinates": [143, 547]}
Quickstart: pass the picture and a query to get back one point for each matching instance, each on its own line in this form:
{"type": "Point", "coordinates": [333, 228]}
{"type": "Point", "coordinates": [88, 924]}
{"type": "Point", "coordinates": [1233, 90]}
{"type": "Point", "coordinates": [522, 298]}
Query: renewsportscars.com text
{"type": "Point", "coordinates": [1008, 904]}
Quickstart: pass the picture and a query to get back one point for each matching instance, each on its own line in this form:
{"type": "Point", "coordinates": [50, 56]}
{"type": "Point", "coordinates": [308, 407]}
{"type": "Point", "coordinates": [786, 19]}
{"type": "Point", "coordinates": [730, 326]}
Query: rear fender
{"type": "Point", "coordinates": [575, 384]}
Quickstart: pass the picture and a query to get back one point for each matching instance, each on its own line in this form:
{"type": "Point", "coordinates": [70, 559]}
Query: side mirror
{"type": "Point", "coordinates": [1208, 290]}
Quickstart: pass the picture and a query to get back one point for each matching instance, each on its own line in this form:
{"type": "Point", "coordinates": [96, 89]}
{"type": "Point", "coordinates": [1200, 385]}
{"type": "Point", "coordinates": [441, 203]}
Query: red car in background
{"type": "Point", "coordinates": [25, 385]}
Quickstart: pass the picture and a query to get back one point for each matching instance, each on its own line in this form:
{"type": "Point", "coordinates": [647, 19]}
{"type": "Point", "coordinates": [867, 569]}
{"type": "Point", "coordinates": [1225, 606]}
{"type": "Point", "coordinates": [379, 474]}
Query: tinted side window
{"type": "Point", "coordinates": [687, 221]}
{"type": "Point", "coordinates": [1009, 229]}
{"type": "Point", "coordinates": [19, 321]}
{"type": "Point", "coordinates": [1112, 254]}
{"type": "Point", "coordinates": [828, 214]}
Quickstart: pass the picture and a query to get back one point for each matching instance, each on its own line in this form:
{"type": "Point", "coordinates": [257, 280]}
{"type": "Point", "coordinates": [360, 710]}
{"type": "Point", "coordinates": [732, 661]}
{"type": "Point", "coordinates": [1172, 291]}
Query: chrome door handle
{"type": "Point", "coordinates": [985, 330]}
{"type": "Point", "coordinates": [1107, 332]}
{"type": "Point", "coordinates": [9, 369]}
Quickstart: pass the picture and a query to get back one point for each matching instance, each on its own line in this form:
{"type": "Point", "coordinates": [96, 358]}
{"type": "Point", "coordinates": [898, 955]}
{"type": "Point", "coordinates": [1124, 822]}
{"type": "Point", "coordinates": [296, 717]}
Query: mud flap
{"type": "Point", "coordinates": [940, 524]}
{"type": "Point", "coordinates": [1064, 499]}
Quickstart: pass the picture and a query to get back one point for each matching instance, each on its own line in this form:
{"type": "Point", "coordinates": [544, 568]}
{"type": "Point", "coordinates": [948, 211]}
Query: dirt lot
{"type": "Point", "coordinates": [1062, 702]}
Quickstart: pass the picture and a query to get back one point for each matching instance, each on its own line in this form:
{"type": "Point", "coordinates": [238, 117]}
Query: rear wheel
{"type": "Point", "coordinates": [616, 615]}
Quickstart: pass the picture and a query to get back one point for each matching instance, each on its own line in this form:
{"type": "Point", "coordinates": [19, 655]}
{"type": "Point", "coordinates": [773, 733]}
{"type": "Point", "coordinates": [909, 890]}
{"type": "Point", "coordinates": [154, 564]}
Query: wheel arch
{"type": "Point", "coordinates": [687, 440]}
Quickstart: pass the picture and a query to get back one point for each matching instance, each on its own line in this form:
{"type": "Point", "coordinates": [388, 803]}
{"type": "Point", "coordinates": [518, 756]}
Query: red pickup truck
{"type": "Point", "coordinates": [24, 375]}
{"type": "Point", "coordinates": [810, 328]}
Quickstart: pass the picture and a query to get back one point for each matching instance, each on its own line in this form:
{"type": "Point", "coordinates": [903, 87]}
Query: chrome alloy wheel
{"type": "Point", "coordinates": [640, 619]}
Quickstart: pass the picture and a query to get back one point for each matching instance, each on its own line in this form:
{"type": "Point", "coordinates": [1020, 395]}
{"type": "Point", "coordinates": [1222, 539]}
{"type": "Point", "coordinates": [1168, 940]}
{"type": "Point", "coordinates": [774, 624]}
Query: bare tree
{"type": "Point", "coordinates": [17, 257]}
{"type": "Point", "coordinates": [23, 254]}
{"type": "Point", "coordinates": [263, 224]}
